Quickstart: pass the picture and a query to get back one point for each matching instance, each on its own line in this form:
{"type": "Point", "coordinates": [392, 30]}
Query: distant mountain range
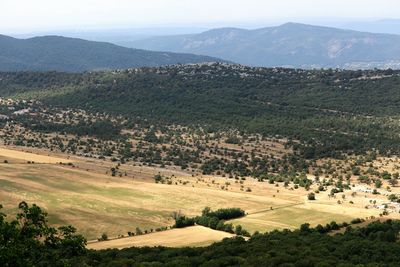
{"type": "Point", "coordinates": [288, 45]}
{"type": "Point", "coordinates": [54, 53]}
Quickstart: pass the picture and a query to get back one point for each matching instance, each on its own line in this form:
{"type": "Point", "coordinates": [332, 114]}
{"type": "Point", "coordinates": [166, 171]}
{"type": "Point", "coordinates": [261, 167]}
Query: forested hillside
{"type": "Point", "coordinates": [328, 111]}
{"type": "Point", "coordinates": [55, 53]}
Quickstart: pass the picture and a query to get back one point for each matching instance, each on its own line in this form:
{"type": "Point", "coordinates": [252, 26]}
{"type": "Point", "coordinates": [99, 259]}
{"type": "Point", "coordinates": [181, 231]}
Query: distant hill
{"type": "Point", "coordinates": [54, 53]}
{"type": "Point", "coordinates": [289, 45]}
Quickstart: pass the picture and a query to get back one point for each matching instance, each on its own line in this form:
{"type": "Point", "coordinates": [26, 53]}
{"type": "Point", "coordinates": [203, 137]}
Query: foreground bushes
{"type": "Point", "coordinates": [373, 245]}
{"type": "Point", "coordinates": [29, 241]}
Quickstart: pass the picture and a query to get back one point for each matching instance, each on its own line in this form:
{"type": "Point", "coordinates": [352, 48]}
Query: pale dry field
{"type": "Point", "coordinates": [195, 236]}
{"type": "Point", "coordinates": [27, 156]}
{"type": "Point", "coordinates": [291, 217]}
{"type": "Point", "coordinates": [97, 203]}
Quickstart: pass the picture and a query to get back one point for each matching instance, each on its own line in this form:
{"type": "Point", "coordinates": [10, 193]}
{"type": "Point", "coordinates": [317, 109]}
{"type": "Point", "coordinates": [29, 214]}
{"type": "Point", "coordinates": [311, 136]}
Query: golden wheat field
{"type": "Point", "coordinates": [97, 203]}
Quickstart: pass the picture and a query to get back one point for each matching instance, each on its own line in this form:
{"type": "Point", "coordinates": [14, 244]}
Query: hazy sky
{"type": "Point", "coordinates": [25, 15]}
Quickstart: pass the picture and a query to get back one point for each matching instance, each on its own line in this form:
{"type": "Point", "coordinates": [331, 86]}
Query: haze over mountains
{"type": "Point", "coordinates": [391, 26]}
{"type": "Point", "coordinates": [54, 53]}
{"type": "Point", "coordinates": [289, 45]}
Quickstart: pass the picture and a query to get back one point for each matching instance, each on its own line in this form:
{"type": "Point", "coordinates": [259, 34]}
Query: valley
{"type": "Point", "coordinates": [122, 177]}
{"type": "Point", "coordinates": [112, 187]}
{"type": "Point", "coordinates": [98, 203]}
{"type": "Point", "coordinates": [199, 133]}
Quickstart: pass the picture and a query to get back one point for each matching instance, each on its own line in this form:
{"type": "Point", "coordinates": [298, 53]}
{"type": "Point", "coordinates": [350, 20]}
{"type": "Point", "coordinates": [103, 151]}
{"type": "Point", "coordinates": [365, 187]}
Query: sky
{"type": "Point", "coordinates": [33, 15]}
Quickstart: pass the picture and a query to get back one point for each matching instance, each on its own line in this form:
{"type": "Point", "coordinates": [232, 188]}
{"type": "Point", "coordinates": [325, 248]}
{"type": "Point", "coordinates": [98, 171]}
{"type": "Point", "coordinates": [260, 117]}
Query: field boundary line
{"type": "Point", "coordinates": [275, 208]}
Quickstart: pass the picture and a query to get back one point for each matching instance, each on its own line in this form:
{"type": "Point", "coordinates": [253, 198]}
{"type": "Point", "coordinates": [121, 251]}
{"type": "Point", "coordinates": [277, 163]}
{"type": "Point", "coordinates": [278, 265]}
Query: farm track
{"type": "Point", "coordinates": [275, 208]}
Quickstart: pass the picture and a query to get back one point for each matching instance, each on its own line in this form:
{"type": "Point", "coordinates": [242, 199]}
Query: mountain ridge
{"type": "Point", "coordinates": [57, 53]}
{"type": "Point", "coordinates": [288, 45]}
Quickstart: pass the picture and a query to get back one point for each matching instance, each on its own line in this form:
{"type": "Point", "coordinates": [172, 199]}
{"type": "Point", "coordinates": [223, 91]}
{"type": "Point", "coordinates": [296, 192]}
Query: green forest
{"type": "Point", "coordinates": [325, 112]}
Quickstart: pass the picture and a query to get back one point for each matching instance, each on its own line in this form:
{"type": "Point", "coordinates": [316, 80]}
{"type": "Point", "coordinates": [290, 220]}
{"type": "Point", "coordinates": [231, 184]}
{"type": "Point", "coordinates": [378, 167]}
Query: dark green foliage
{"type": "Point", "coordinates": [232, 140]}
{"type": "Point", "coordinates": [224, 214]}
{"type": "Point", "coordinates": [393, 197]}
{"type": "Point", "coordinates": [214, 220]}
{"type": "Point", "coordinates": [151, 137]}
{"type": "Point", "coordinates": [372, 245]}
{"type": "Point", "coordinates": [211, 166]}
{"type": "Point", "coordinates": [311, 196]}
{"type": "Point", "coordinates": [29, 241]}
{"type": "Point", "coordinates": [101, 129]}
{"type": "Point", "coordinates": [103, 237]}
{"type": "Point", "coordinates": [182, 221]}
{"type": "Point", "coordinates": [158, 178]}
{"type": "Point", "coordinates": [356, 221]}
{"type": "Point", "coordinates": [330, 112]}
{"type": "Point", "coordinates": [54, 53]}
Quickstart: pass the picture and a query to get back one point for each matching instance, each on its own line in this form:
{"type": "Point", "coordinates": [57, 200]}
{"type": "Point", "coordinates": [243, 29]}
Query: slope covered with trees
{"type": "Point", "coordinates": [55, 53]}
{"type": "Point", "coordinates": [328, 111]}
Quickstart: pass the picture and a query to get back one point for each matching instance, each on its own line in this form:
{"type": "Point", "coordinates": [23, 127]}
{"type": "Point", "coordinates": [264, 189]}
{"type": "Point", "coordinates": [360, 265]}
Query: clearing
{"type": "Point", "coordinates": [195, 236]}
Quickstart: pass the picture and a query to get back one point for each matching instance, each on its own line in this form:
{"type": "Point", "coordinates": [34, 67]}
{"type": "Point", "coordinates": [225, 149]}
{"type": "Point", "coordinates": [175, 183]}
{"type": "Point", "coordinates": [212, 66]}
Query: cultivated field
{"type": "Point", "coordinates": [321, 211]}
{"type": "Point", "coordinates": [27, 156]}
{"type": "Point", "coordinates": [292, 216]}
{"type": "Point", "coordinates": [97, 203]}
{"type": "Point", "coordinates": [195, 236]}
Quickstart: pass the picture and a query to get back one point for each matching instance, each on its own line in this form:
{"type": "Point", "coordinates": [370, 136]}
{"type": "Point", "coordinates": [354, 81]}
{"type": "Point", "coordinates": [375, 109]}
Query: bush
{"type": "Point", "coordinates": [224, 214]}
{"type": "Point", "coordinates": [356, 221]}
{"type": "Point", "coordinates": [29, 241]}
{"type": "Point", "coordinates": [311, 196]}
{"type": "Point", "coordinates": [103, 237]}
{"type": "Point", "coordinates": [182, 221]}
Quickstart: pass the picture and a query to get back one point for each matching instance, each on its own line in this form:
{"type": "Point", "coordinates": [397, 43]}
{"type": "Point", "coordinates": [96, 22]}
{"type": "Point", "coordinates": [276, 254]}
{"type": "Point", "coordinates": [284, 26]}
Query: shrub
{"type": "Point", "coordinates": [311, 196]}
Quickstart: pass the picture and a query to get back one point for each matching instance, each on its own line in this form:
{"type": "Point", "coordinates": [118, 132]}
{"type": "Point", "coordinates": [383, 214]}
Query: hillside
{"type": "Point", "coordinates": [328, 111]}
{"type": "Point", "coordinates": [54, 53]}
{"type": "Point", "coordinates": [289, 45]}
{"type": "Point", "coordinates": [126, 156]}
